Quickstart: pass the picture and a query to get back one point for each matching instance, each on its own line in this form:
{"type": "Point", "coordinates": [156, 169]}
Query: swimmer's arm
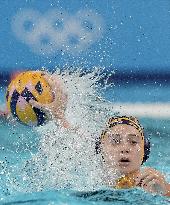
{"type": "Point", "coordinates": [153, 181]}
{"type": "Point", "coordinates": [168, 190]}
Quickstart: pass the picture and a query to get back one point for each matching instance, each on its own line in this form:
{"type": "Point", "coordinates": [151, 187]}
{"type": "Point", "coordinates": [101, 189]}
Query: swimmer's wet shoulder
{"type": "Point", "coordinates": [124, 148]}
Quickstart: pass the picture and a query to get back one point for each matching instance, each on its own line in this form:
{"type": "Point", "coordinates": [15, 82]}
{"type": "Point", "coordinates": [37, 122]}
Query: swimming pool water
{"type": "Point", "coordinates": [18, 143]}
{"type": "Point", "coordinates": [103, 197]}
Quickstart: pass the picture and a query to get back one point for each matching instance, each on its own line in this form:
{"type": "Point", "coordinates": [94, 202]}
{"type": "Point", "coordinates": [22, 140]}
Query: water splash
{"type": "Point", "coordinates": [66, 158]}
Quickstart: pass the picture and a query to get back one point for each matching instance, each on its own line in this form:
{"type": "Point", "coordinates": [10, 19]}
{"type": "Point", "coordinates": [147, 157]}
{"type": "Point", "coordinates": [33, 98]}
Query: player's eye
{"type": "Point", "coordinates": [114, 139]}
{"type": "Point", "coordinates": [133, 142]}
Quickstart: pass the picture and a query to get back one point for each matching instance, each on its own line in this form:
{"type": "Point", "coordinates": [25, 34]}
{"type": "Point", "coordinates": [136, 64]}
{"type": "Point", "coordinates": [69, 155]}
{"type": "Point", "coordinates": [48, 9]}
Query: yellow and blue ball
{"type": "Point", "coordinates": [29, 85]}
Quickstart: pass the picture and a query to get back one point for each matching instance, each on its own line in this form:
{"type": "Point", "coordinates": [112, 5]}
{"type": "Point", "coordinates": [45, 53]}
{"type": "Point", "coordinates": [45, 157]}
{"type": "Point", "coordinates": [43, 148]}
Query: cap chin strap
{"type": "Point", "coordinates": [125, 182]}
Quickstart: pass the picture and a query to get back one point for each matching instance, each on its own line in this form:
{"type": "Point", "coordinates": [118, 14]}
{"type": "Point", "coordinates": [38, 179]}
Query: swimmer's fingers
{"type": "Point", "coordinates": [155, 185]}
{"type": "Point", "coordinates": [61, 100]}
{"type": "Point", "coordinates": [60, 95]}
{"type": "Point", "coordinates": [55, 109]}
{"type": "Point", "coordinates": [53, 81]}
{"type": "Point", "coordinates": [142, 176]}
{"type": "Point", "coordinates": [57, 88]}
{"type": "Point", "coordinates": [38, 105]}
{"type": "Point", "coordinates": [150, 185]}
{"type": "Point", "coordinates": [144, 181]}
{"type": "Point", "coordinates": [149, 177]}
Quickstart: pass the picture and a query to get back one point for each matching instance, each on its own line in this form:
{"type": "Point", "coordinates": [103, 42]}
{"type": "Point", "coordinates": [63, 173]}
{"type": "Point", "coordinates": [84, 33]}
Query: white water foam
{"type": "Point", "coordinates": [67, 158]}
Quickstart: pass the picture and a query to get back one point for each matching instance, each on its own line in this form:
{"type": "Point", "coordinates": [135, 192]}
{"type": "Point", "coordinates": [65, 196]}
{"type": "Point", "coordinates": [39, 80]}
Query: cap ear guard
{"type": "Point", "coordinates": [146, 149]}
{"type": "Point", "coordinates": [98, 146]}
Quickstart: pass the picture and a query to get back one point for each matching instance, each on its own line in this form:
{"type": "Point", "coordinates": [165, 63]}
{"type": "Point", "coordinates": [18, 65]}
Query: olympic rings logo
{"type": "Point", "coordinates": [57, 30]}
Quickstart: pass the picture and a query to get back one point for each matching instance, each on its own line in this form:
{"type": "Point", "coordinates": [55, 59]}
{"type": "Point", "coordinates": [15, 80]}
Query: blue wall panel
{"type": "Point", "coordinates": [126, 35]}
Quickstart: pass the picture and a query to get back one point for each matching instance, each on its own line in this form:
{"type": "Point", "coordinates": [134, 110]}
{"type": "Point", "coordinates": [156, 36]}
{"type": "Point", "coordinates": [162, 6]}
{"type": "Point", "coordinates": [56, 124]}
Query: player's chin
{"type": "Point", "coordinates": [126, 169]}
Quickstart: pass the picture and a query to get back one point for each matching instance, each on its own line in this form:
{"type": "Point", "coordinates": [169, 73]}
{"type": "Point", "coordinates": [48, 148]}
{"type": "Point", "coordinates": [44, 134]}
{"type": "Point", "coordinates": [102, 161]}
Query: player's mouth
{"type": "Point", "coordinates": [124, 161]}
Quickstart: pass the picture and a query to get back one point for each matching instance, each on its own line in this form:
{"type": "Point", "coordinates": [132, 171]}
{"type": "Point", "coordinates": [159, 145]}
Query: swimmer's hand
{"type": "Point", "coordinates": [4, 114]}
{"type": "Point", "coordinates": [58, 106]}
{"type": "Point", "coordinates": [152, 181]}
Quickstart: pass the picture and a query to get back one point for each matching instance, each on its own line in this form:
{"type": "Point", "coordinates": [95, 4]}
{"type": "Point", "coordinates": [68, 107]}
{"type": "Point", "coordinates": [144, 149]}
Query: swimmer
{"type": "Point", "coordinates": [124, 147]}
